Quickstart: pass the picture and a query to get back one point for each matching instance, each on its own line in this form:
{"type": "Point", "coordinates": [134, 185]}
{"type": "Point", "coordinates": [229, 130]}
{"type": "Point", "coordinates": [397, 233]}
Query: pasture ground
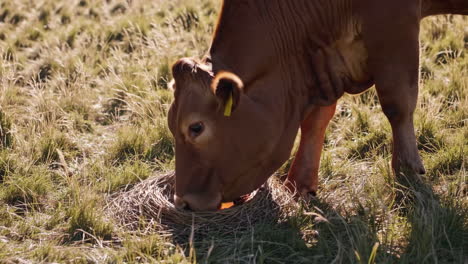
{"type": "Point", "coordinates": [83, 102]}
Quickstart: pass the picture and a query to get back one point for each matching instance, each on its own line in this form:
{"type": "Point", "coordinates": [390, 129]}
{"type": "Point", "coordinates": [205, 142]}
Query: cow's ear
{"type": "Point", "coordinates": [228, 88]}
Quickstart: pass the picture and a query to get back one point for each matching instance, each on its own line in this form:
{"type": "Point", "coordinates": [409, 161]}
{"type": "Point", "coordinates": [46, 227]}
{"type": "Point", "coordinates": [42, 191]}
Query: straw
{"type": "Point", "coordinates": [149, 204]}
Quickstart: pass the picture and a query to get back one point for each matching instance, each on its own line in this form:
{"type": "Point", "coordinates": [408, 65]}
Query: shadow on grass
{"type": "Point", "coordinates": [320, 236]}
{"type": "Point", "coordinates": [437, 225]}
{"type": "Point", "coordinates": [316, 233]}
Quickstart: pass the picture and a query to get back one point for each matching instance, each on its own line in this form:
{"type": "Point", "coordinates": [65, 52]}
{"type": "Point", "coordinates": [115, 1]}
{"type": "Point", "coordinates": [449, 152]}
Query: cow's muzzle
{"type": "Point", "coordinates": [198, 202]}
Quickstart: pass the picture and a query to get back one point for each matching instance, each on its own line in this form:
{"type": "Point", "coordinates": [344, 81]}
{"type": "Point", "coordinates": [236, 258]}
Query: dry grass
{"type": "Point", "coordinates": [150, 203]}
{"type": "Point", "coordinates": [83, 103]}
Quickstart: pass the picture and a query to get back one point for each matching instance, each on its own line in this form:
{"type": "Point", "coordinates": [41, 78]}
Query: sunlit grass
{"type": "Point", "coordinates": [83, 103]}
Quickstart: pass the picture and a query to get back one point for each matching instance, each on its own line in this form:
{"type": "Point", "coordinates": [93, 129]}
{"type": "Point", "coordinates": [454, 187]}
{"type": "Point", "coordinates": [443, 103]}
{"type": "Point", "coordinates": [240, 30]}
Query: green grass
{"type": "Point", "coordinates": [26, 188]}
{"type": "Point", "coordinates": [6, 138]}
{"type": "Point", "coordinates": [83, 103]}
{"type": "Point", "coordinates": [86, 220]}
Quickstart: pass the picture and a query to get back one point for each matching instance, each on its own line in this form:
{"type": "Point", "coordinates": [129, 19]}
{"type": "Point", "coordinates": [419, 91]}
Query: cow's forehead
{"type": "Point", "coordinates": [195, 101]}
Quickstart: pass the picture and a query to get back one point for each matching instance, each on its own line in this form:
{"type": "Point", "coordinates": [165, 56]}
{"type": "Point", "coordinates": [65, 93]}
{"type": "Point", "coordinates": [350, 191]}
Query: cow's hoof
{"type": "Point", "coordinates": [418, 167]}
{"type": "Point", "coordinates": [421, 170]}
{"type": "Point", "coordinates": [409, 164]}
{"type": "Point", "coordinates": [304, 193]}
{"type": "Point", "coordinates": [309, 196]}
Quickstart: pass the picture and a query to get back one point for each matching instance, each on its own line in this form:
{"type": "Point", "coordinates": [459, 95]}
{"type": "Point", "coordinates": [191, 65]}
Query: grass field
{"type": "Point", "coordinates": [83, 102]}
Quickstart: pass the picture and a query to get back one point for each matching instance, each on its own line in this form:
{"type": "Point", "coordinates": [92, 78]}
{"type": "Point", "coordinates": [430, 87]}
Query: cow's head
{"type": "Point", "coordinates": [222, 137]}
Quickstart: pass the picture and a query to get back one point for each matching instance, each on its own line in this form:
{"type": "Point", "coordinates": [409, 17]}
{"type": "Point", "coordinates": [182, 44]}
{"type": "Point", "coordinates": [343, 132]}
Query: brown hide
{"type": "Point", "coordinates": [288, 62]}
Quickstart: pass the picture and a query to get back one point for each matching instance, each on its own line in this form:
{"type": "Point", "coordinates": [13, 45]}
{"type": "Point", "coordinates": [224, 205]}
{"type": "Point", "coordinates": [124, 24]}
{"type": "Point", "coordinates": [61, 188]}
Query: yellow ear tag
{"type": "Point", "coordinates": [228, 107]}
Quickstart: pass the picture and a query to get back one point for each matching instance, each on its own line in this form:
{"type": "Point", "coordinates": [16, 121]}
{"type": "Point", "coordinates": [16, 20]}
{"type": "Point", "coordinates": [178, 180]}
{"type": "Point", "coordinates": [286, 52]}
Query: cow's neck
{"type": "Point", "coordinates": [266, 43]}
{"type": "Point", "coordinates": [276, 37]}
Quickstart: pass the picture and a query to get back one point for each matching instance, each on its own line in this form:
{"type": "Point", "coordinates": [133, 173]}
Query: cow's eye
{"type": "Point", "coordinates": [196, 129]}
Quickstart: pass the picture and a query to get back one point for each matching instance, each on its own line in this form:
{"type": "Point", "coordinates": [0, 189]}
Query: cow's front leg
{"type": "Point", "coordinates": [303, 174]}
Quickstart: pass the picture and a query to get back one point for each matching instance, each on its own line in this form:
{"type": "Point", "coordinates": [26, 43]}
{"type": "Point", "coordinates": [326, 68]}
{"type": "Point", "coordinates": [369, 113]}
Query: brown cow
{"type": "Point", "coordinates": [279, 65]}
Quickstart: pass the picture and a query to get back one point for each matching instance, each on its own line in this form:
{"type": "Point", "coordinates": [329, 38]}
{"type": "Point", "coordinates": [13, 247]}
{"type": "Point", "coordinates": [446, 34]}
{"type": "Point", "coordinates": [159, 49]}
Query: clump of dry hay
{"type": "Point", "coordinates": [150, 203]}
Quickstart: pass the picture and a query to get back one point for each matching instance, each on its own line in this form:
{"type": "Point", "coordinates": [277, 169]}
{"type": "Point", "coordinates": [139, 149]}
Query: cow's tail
{"type": "Point", "coordinates": [438, 7]}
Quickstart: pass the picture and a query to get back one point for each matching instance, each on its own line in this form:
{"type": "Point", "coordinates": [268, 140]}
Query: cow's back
{"type": "Point", "coordinates": [437, 7]}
